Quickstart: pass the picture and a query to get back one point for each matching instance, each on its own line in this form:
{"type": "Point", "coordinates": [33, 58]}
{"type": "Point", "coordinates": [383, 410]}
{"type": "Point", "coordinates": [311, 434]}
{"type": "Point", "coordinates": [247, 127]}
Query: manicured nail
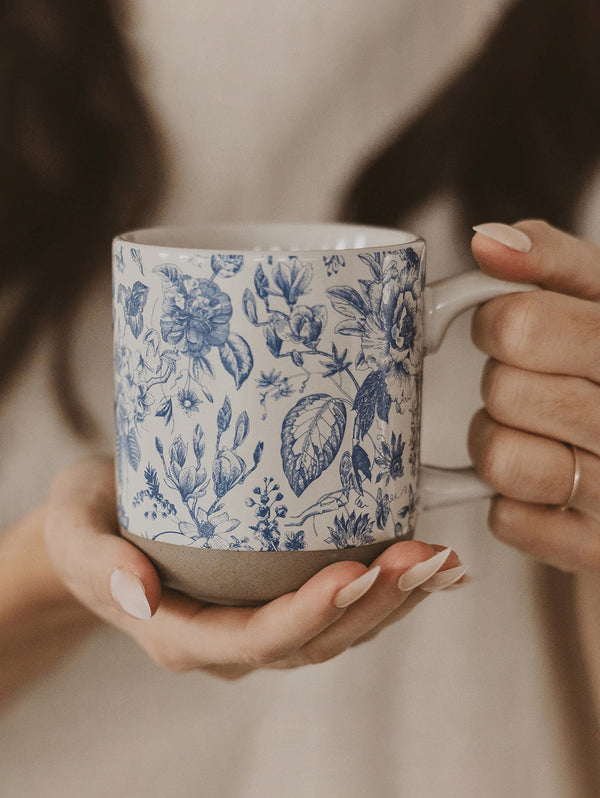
{"type": "Point", "coordinates": [444, 579]}
{"type": "Point", "coordinates": [128, 592]}
{"type": "Point", "coordinates": [505, 234]}
{"type": "Point", "coordinates": [423, 571]}
{"type": "Point", "coordinates": [355, 590]}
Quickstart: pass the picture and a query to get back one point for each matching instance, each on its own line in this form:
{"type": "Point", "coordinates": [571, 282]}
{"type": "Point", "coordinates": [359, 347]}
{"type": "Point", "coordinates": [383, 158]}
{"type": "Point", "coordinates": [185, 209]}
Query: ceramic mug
{"type": "Point", "coordinates": [268, 396]}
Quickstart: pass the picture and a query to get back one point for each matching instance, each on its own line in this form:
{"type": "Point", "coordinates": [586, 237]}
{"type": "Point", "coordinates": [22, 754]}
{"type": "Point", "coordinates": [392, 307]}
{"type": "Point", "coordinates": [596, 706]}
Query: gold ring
{"type": "Point", "coordinates": [576, 478]}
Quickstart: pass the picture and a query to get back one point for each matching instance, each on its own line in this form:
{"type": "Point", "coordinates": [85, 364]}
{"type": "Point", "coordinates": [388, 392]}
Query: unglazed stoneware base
{"type": "Point", "coordinates": [242, 577]}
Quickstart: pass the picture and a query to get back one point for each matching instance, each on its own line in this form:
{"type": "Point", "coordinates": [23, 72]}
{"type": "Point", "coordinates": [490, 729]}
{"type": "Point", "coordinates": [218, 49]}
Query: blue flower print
{"type": "Point", "coordinates": [333, 263]}
{"type": "Point", "coordinates": [384, 316]}
{"type": "Point", "coordinates": [195, 316]}
{"type": "Point", "coordinates": [209, 528]}
{"type": "Point", "coordinates": [133, 301]}
{"type": "Point", "coordinates": [355, 530]}
{"type": "Point", "coordinates": [227, 469]}
{"type": "Point", "coordinates": [294, 541]}
{"type": "Point", "coordinates": [304, 326]}
{"type": "Point", "coordinates": [191, 481]}
{"type": "Point", "coordinates": [389, 459]}
{"type": "Point", "coordinates": [143, 402]}
{"type": "Point", "coordinates": [268, 509]}
{"type": "Point", "coordinates": [189, 401]}
{"type": "Point", "coordinates": [292, 277]}
{"type": "Point", "coordinates": [226, 265]}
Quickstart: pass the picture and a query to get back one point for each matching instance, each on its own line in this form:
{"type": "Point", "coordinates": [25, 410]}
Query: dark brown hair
{"type": "Point", "coordinates": [79, 162]}
{"type": "Point", "coordinates": [516, 134]}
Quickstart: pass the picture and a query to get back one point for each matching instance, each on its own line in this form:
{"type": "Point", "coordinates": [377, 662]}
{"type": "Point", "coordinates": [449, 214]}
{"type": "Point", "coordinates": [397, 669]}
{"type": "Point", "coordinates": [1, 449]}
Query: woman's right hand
{"type": "Point", "coordinates": [341, 606]}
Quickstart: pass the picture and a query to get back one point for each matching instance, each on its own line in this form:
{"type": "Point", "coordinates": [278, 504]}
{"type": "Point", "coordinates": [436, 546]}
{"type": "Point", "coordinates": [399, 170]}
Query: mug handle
{"type": "Point", "coordinates": [444, 300]}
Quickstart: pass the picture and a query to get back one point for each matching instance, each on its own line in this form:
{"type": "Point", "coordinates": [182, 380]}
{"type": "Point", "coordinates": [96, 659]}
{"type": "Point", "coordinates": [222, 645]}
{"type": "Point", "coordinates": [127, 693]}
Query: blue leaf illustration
{"type": "Point", "coordinates": [250, 306]}
{"type": "Point", "coordinates": [361, 463]}
{"type": "Point", "coordinates": [200, 366]}
{"type": "Point", "coordinates": [347, 301]}
{"type": "Point", "coordinates": [236, 357]}
{"type": "Point", "coordinates": [273, 340]}
{"type": "Point", "coordinates": [311, 436]}
{"type": "Point", "coordinates": [297, 358]}
{"type": "Point", "coordinates": [351, 328]}
{"type": "Point", "coordinates": [224, 415]}
{"type": "Point", "coordinates": [136, 256]}
{"type": "Point", "coordinates": [258, 452]}
{"type": "Point", "coordinates": [198, 443]}
{"type": "Point", "coordinates": [171, 273]}
{"type": "Point", "coordinates": [373, 264]}
{"type": "Point", "coordinates": [166, 409]}
{"type": "Point", "coordinates": [384, 402]}
{"type": "Point", "coordinates": [133, 449]}
{"type": "Point", "coordinates": [207, 393]}
{"type": "Point", "coordinates": [241, 429]}
{"type": "Point", "coordinates": [372, 395]}
{"type": "Point", "coordinates": [261, 283]}
{"type": "Point", "coordinates": [178, 452]}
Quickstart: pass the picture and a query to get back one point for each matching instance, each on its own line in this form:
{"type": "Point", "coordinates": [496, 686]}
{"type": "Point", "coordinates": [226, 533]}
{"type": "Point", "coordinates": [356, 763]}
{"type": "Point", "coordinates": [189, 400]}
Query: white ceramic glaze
{"type": "Point", "coordinates": [268, 383]}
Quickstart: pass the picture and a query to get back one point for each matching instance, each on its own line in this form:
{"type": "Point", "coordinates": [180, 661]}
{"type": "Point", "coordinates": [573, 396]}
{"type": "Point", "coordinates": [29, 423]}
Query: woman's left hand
{"type": "Point", "coordinates": [541, 394]}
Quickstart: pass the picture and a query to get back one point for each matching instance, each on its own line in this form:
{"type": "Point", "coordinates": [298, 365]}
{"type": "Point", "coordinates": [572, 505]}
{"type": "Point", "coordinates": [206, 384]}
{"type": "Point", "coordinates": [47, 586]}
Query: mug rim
{"type": "Point", "coordinates": [345, 237]}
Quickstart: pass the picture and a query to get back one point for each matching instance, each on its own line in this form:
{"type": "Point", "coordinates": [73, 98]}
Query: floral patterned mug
{"type": "Point", "coordinates": [268, 394]}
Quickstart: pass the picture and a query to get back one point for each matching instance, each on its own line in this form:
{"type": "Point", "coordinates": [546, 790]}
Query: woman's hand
{"type": "Point", "coordinates": [541, 393]}
{"type": "Point", "coordinates": [343, 605]}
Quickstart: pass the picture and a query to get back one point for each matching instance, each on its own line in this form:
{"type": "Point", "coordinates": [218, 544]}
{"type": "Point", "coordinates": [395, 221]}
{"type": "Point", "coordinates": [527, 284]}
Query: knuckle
{"type": "Point", "coordinates": [501, 520]}
{"type": "Point", "coordinates": [518, 327]}
{"type": "Point", "coordinates": [502, 391]}
{"type": "Point", "coordinates": [497, 459]}
{"type": "Point", "coordinates": [317, 654]}
{"type": "Point", "coordinates": [258, 657]}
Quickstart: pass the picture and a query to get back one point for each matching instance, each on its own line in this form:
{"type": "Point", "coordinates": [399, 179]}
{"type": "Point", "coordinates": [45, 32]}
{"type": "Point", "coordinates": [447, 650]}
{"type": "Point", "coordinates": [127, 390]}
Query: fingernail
{"type": "Point", "coordinates": [505, 234]}
{"type": "Point", "coordinates": [444, 579]}
{"type": "Point", "coordinates": [128, 592]}
{"type": "Point", "coordinates": [352, 592]}
{"type": "Point", "coordinates": [423, 571]}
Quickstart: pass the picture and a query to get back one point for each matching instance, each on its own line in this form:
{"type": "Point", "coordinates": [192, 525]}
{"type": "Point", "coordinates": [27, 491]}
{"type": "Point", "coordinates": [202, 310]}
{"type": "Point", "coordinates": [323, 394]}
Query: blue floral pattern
{"type": "Point", "coordinates": [228, 365]}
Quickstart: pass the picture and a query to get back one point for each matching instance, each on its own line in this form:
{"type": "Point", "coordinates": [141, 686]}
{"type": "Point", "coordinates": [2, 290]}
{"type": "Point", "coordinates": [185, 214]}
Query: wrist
{"type": "Point", "coordinates": [28, 580]}
{"type": "Point", "coordinates": [40, 620]}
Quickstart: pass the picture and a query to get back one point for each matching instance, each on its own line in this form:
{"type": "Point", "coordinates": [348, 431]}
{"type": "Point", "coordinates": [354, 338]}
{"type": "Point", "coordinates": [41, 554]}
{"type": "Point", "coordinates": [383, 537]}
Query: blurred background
{"type": "Point", "coordinates": [383, 112]}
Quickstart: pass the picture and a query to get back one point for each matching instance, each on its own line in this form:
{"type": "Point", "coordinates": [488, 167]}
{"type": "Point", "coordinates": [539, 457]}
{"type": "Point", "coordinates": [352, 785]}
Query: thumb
{"type": "Point", "coordinates": [533, 251]}
{"type": "Point", "coordinates": [102, 570]}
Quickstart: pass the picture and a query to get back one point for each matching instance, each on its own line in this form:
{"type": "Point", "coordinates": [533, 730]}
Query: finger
{"type": "Point", "coordinates": [553, 406]}
{"type": "Point", "coordinates": [531, 468]}
{"type": "Point", "coordinates": [184, 634]}
{"type": "Point", "coordinates": [566, 540]}
{"type": "Point", "coordinates": [101, 569]}
{"type": "Point", "coordinates": [556, 261]}
{"type": "Point", "coordinates": [372, 610]}
{"type": "Point", "coordinates": [541, 331]}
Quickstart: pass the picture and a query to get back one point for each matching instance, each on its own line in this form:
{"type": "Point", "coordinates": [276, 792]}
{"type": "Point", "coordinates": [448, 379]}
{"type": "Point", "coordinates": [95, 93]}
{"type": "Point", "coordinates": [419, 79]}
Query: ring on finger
{"type": "Point", "coordinates": [576, 478]}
